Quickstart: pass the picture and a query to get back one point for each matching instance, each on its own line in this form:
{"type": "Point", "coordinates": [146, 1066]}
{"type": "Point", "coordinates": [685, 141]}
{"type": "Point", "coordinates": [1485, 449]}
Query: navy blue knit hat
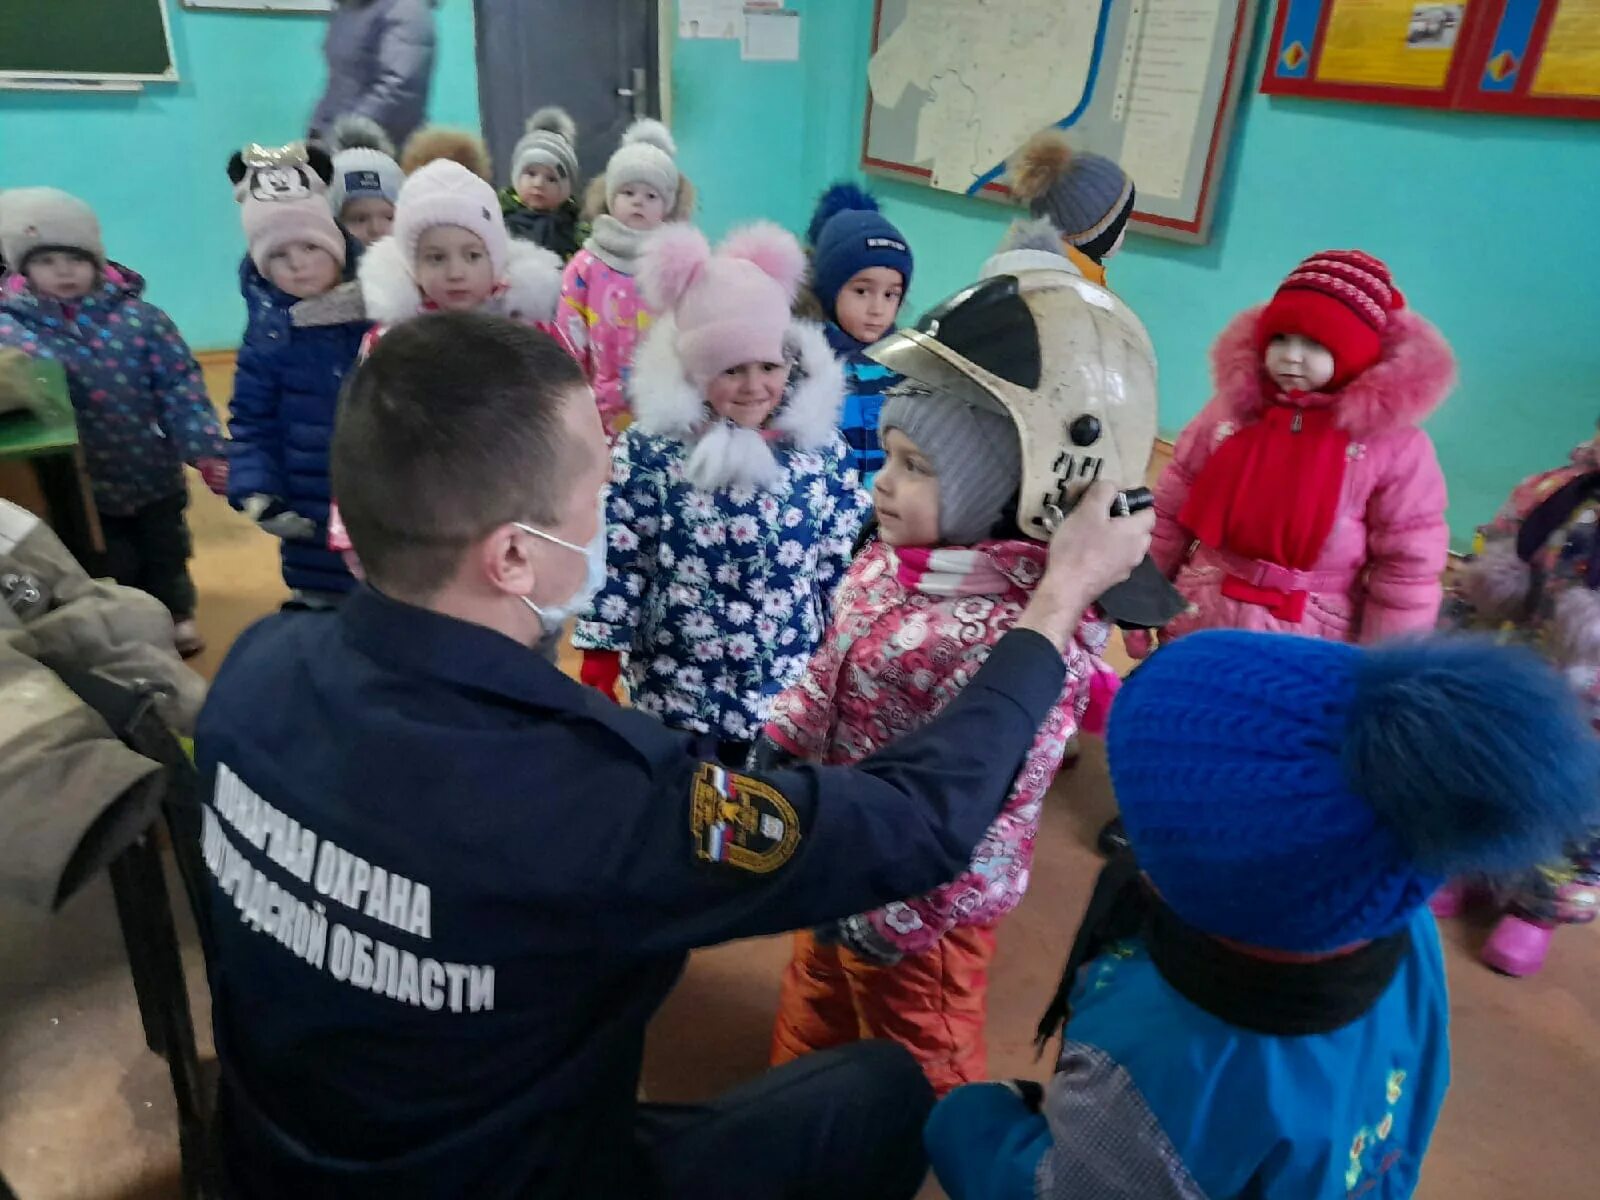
{"type": "Point", "coordinates": [848, 234]}
{"type": "Point", "coordinates": [1305, 795]}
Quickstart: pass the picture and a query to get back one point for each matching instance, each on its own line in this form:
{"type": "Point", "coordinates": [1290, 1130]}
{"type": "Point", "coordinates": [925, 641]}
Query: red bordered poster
{"type": "Point", "coordinates": [1537, 57]}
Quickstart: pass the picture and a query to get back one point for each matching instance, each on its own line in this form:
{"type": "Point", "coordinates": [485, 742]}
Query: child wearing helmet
{"type": "Point", "coordinates": [975, 476]}
{"type": "Point", "coordinates": [1257, 1007]}
{"type": "Point", "coordinates": [731, 512]}
{"type": "Point", "coordinates": [1536, 579]}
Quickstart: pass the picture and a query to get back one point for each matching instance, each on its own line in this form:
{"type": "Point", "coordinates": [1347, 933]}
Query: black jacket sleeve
{"type": "Point", "coordinates": [898, 824]}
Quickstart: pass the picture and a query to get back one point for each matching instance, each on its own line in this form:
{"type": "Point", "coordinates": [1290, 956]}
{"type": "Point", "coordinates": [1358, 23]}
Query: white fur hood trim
{"type": "Point", "coordinates": [1011, 262]}
{"type": "Point", "coordinates": [532, 284]}
{"type": "Point", "coordinates": [666, 404]}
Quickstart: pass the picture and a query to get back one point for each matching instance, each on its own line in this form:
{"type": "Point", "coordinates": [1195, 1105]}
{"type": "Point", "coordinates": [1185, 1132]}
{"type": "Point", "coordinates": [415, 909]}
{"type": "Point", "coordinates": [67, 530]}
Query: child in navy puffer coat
{"type": "Point", "coordinates": [138, 393]}
{"type": "Point", "coordinates": [305, 327]}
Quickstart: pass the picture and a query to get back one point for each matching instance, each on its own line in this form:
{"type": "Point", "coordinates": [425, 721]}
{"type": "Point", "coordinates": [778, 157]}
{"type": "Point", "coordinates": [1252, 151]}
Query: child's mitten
{"type": "Point", "coordinates": [215, 472]}
{"type": "Point", "coordinates": [273, 516]}
{"type": "Point", "coordinates": [602, 670]}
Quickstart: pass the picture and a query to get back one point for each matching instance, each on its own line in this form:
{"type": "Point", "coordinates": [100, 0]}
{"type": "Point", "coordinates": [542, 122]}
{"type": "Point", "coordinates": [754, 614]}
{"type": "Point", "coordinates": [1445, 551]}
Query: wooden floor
{"type": "Point", "coordinates": [85, 1113]}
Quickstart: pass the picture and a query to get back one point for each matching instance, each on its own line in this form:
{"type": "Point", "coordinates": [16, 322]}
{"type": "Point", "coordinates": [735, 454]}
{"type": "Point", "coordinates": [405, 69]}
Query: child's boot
{"type": "Point", "coordinates": [1518, 946]}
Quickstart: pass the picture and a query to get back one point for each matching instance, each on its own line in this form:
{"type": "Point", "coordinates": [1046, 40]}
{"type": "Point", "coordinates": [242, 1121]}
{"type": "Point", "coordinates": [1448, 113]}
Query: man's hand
{"type": "Point", "coordinates": [1090, 552]}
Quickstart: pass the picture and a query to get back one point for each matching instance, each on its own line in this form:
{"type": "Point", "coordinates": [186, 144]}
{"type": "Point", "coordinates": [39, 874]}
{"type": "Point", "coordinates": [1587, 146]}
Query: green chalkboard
{"type": "Point", "coordinates": [86, 39]}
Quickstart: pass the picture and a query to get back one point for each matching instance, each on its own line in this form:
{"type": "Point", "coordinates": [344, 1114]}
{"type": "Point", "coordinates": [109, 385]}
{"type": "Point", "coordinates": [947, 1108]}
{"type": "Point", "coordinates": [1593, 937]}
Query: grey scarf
{"type": "Point", "coordinates": [614, 244]}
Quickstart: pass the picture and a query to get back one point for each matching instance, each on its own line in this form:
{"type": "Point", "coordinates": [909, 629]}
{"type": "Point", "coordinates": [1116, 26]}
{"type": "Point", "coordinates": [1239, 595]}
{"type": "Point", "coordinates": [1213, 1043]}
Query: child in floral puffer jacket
{"type": "Point", "coordinates": [916, 616]}
{"type": "Point", "coordinates": [731, 511]}
{"type": "Point", "coordinates": [138, 393]}
{"type": "Point", "coordinates": [1536, 579]}
{"type": "Point", "coordinates": [602, 315]}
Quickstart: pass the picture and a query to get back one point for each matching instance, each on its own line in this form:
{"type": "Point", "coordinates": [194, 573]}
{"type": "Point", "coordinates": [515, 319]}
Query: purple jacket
{"type": "Point", "coordinates": [380, 62]}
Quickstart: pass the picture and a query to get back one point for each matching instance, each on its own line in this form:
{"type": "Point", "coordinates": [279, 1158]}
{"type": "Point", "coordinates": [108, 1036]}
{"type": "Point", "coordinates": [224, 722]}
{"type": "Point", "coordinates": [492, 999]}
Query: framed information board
{"type": "Point", "coordinates": [1538, 57]}
{"type": "Point", "coordinates": [957, 87]}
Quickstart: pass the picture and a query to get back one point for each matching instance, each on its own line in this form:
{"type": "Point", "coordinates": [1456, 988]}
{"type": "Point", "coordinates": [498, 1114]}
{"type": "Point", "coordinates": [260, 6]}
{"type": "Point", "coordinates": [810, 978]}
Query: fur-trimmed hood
{"type": "Point", "coordinates": [1412, 377]}
{"type": "Point", "coordinates": [666, 404]}
{"type": "Point", "coordinates": [530, 291]}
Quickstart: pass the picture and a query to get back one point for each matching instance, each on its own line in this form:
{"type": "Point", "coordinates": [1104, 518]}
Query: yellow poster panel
{"type": "Point", "coordinates": [1390, 43]}
{"type": "Point", "coordinates": [1570, 64]}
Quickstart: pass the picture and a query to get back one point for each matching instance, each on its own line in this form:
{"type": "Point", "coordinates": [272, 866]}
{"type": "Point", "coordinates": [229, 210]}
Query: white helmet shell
{"type": "Point", "coordinates": [1065, 359]}
{"type": "Point", "coordinates": [1073, 368]}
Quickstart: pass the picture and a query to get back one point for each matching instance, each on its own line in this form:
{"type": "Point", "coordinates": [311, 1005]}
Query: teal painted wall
{"type": "Point", "coordinates": [1489, 224]}
{"type": "Point", "coordinates": [152, 163]}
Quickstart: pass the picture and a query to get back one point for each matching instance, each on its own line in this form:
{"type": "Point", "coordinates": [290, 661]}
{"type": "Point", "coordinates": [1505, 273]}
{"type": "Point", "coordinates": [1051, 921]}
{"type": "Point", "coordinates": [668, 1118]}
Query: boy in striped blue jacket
{"type": "Point", "coordinates": [861, 271]}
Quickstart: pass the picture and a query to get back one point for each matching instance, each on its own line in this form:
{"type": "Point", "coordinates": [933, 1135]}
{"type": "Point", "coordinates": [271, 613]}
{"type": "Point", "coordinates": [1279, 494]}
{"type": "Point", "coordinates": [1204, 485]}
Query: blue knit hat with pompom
{"type": "Point", "coordinates": [848, 234]}
{"type": "Point", "coordinates": [1304, 795]}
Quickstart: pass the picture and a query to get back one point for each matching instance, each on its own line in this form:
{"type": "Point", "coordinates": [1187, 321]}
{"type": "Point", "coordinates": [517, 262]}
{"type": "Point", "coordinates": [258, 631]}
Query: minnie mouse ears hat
{"type": "Point", "coordinates": [283, 198]}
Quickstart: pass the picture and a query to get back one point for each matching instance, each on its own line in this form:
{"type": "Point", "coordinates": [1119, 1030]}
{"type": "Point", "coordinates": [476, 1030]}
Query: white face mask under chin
{"type": "Point", "coordinates": [555, 616]}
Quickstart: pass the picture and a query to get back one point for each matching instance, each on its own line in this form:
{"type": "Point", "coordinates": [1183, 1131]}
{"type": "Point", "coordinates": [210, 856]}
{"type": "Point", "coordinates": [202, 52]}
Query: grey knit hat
{"type": "Point", "coordinates": [975, 452]}
{"type": "Point", "coordinates": [647, 155]}
{"type": "Point", "coordinates": [42, 218]}
{"type": "Point", "coordinates": [1087, 197]}
{"type": "Point", "coordinates": [551, 141]}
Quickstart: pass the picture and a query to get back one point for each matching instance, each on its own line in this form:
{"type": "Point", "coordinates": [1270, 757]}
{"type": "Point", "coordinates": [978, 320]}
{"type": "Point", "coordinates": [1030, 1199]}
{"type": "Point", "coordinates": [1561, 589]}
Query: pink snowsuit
{"type": "Point", "coordinates": [602, 319]}
{"type": "Point", "coordinates": [1379, 571]}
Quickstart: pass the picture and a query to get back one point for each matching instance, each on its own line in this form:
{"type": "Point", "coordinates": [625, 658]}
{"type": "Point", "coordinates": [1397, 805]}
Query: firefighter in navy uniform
{"type": "Point", "coordinates": [450, 886]}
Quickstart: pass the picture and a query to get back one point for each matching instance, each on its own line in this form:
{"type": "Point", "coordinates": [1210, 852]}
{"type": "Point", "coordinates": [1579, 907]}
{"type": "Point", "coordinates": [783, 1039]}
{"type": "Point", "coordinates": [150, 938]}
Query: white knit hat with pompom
{"type": "Point", "coordinates": [647, 155]}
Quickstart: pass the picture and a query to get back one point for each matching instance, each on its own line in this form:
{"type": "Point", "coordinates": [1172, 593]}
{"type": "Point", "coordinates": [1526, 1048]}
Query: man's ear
{"type": "Point", "coordinates": [503, 560]}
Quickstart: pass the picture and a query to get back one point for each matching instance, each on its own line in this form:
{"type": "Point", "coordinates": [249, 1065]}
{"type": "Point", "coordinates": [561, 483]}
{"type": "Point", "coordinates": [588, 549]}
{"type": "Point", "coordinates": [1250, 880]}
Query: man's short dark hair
{"type": "Point", "coordinates": [451, 427]}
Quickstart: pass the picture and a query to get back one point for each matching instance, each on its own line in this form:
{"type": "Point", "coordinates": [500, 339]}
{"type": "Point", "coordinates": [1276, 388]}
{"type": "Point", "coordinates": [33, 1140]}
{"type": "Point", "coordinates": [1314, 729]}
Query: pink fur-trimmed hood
{"type": "Point", "coordinates": [1414, 374]}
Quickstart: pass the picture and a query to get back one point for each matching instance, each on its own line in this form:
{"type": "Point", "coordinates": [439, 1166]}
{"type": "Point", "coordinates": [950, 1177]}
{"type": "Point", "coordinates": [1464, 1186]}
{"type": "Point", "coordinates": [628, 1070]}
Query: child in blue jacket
{"type": "Point", "coordinates": [304, 331]}
{"type": "Point", "coordinates": [138, 393]}
{"type": "Point", "coordinates": [1256, 1007]}
{"type": "Point", "coordinates": [861, 271]}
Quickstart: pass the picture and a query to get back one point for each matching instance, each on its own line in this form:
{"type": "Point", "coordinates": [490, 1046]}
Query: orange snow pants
{"type": "Point", "coordinates": [934, 1004]}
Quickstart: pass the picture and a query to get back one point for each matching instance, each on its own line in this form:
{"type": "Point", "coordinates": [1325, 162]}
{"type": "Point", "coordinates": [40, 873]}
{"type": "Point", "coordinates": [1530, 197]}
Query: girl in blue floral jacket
{"type": "Point", "coordinates": [731, 510]}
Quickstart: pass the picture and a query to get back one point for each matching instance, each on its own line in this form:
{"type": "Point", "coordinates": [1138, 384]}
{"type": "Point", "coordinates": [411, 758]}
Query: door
{"type": "Point", "coordinates": [595, 58]}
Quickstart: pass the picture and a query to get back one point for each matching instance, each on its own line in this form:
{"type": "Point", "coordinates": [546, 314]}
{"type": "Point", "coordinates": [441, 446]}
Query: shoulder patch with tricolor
{"type": "Point", "coordinates": [741, 822]}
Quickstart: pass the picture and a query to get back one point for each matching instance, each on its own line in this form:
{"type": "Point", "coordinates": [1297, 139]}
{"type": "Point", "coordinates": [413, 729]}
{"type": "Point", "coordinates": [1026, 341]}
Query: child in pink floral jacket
{"type": "Point", "coordinates": [913, 621]}
{"type": "Point", "coordinates": [602, 317]}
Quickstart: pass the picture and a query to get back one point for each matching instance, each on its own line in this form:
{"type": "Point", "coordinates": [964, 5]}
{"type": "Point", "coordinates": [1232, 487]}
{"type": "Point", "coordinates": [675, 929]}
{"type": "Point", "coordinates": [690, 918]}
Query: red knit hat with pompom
{"type": "Point", "coordinates": [1341, 299]}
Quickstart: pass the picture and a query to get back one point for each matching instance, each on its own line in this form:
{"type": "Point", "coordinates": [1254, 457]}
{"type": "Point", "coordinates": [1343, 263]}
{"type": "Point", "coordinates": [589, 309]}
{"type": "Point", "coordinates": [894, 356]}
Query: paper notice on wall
{"type": "Point", "coordinates": [1166, 92]}
{"type": "Point", "coordinates": [711, 19]}
{"type": "Point", "coordinates": [770, 35]}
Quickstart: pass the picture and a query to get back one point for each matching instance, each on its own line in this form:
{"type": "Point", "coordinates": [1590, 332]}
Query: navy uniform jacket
{"type": "Point", "coordinates": [449, 887]}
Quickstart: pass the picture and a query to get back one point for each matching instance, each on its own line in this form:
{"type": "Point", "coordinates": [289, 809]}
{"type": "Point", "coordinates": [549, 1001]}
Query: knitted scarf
{"type": "Point", "coordinates": [614, 244]}
{"type": "Point", "coordinates": [954, 571]}
{"type": "Point", "coordinates": [1271, 492]}
{"type": "Point", "coordinates": [995, 569]}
